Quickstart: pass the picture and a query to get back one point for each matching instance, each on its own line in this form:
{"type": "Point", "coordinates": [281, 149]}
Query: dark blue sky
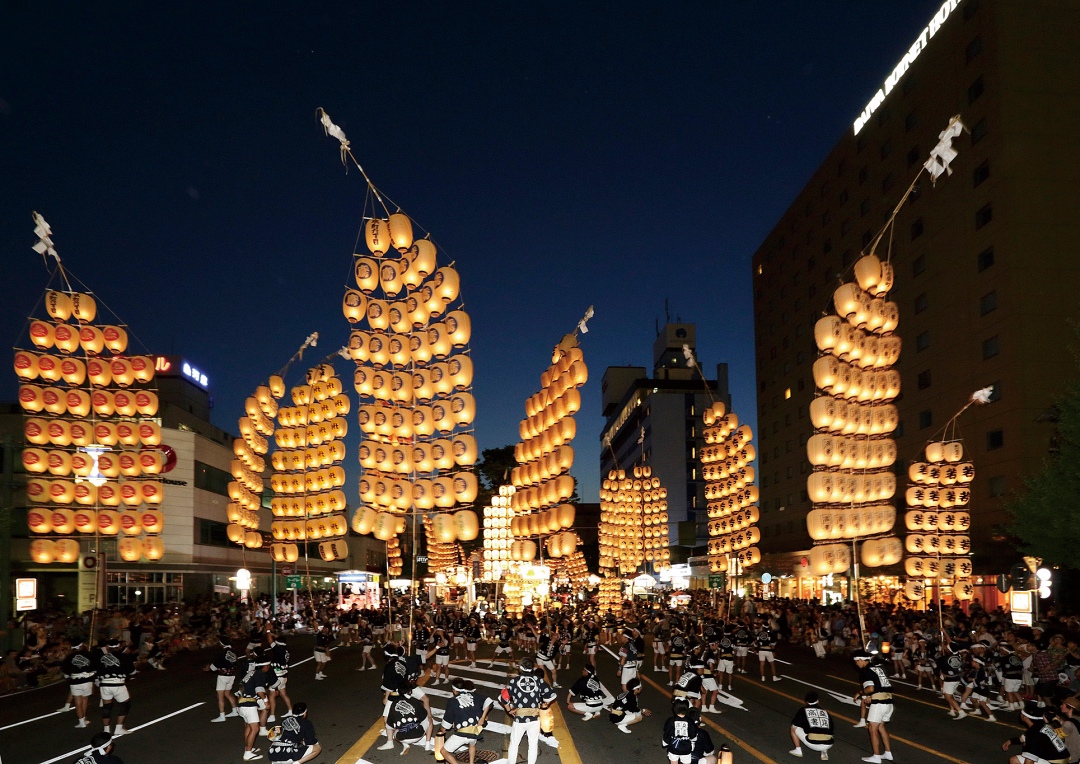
{"type": "Point", "coordinates": [614, 154]}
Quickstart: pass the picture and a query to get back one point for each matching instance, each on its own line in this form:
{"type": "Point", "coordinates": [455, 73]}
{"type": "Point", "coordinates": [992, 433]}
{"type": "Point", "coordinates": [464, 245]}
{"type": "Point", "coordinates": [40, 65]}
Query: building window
{"type": "Point", "coordinates": [988, 303]}
{"type": "Point", "coordinates": [843, 198]}
{"type": "Point", "coordinates": [887, 183]}
{"type": "Point", "coordinates": [995, 439]}
{"type": "Point", "coordinates": [995, 394]}
{"type": "Point", "coordinates": [910, 121]}
{"type": "Point", "coordinates": [970, 8]}
{"type": "Point", "coordinates": [845, 227]}
{"type": "Point", "coordinates": [212, 533]}
{"type": "Point", "coordinates": [922, 342]}
{"type": "Point", "coordinates": [886, 149]}
{"type": "Point", "coordinates": [883, 117]}
{"type": "Point", "coordinates": [979, 131]}
{"type": "Point", "coordinates": [980, 173]}
{"type": "Point", "coordinates": [864, 173]}
{"type": "Point", "coordinates": [922, 302]}
{"type": "Point", "coordinates": [916, 229]}
{"type": "Point", "coordinates": [846, 258]}
{"type": "Point", "coordinates": [973, 49]}
{"type": "Point", "coordinates": [990, 348]}
{"type": "Point", "coordinates": [975, 90]}
{"type": "Point", "coordinates": [983, 216]}
{"type": "Point", "coordinates": [826, 248]}
{"type": "Point", "coordinates": [801, 385]}
{"type": "Point", "coordinates": [787, 393]}
{"type": "Point", "coordinates": [918, 265]}
{"type": "Point", "coordinates": [913, 156]}
{"type": "Point", "coordinates": [909, 83]}
{"type": "Point", "coordinates": [926, 419]}
{"type": "Point", "coordinates": [924, 379]}
{"type": "Point", "coordinates": [864, 207]}
{"type": "Point", "coordinates": [212, 479]}
{"type": "Point", "coordinates": [996, 486]}
{"type": "Point", "coordinates": [985, 259]}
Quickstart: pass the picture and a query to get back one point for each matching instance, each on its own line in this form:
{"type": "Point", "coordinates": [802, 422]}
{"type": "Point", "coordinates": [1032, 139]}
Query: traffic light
{"type": "Point", "coordinates": [1020, 577]}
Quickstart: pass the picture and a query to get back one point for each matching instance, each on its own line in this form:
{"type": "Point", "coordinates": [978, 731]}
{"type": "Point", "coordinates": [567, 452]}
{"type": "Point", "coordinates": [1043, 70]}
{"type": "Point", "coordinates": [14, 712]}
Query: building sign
{"type": "Point", "coordinates": [25, 594]}
{"type": "Point", "coordinates": [901, 68]}
{"type": "Point", "coordinates": [292, 582]}
{"type": "Point", "coordinates": [716, 581]}
{"type": "Point", "coordinates": [175, 366]}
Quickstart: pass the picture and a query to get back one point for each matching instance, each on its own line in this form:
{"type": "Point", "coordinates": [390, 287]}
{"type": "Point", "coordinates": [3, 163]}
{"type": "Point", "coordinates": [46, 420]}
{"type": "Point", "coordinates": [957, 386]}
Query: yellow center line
{"type": "Point", "coordinates": [726, 733]}
{"type": "Point", "coordinates": [361, 746]}
{"type": "Point", "coordinates": [568, 752]}
{"type": "Point", "coordinates": [927, 703]}
{"type": "Point", "coordinates": [892, 736]}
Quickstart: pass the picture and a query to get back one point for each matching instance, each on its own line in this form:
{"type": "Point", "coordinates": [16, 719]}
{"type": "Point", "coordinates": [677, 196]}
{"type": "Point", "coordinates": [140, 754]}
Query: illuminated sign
{"type": "Point", "coordinates": [194, 375]}
{"type": "Point", "coordinates": [175, 366]}
{"type": "Point", "coordinates": [162, 364]}
{"type": "Point", "coordinates": [25, 594]}
{"type": "Point", "coordinates": [901, 68]}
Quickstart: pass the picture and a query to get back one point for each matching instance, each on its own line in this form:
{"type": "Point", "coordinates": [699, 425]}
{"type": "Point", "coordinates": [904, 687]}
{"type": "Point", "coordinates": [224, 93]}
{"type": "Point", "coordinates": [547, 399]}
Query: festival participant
{"type": "Point", "coordinates": [923, 660]}
{"type": "Point", "coordinates": [1011, 667]}
{"type": "Point", "coordinates": [950, 668]}
{"type": "Point", "coordinates": [590, 694]}
{"type": "Point", "coordinates": [441, 641]}
{"type": "Point", "coordinates": [294, 741]}
{"type": "Point", "coordinates": [472, 637]}
{"type": "Point", "coordinates": [688, 688]}
{"type": "Point", "coordinates": [101, 748]}
{"type": "Point", "coordinates": [1041, 741]}
{"type": "Point", "coordinates": [812, 727]}
{"type": "Point", "coordinates": [742, 639]}
{"type": "Point", "coordinates": [523, 698]}
{"type": "Point", "coordinates": [626, 708]}
{"type": "Point", "coordinates": [726, 663]}
{"type": "Point", "coordinates": [365, 635]}
{"type": "Point", "coordinates": [113, 667]}
{"type": "Point", "coordinates": [410, 718]}
{"type": "Point", "coordinates": [503, 638]}
{"type": "Point", "coordinates": [629, 657]}
{"type": "Point", "coordinates": [224, 668]}
{"type": "Point", "coordinates": [323, 640]}
{"type": "Point", "coordinates": [78, 669]}
{"type": "Point", "coordinates": [875, 686]}
{"type": "Point", "coordinates": [545, 656]}
{"type": "Point", "coordinates": [393, 676]}
{"type": "Point", "coordinates": [563, 640]}
{"type": "Point", "coordinates": [279, 665]}
{"type": "Point", "coordinates": [590, 634]}
{"type": "Point", "coordinates": [465, 716]}
{"type": "Point", "coordinates": [455, 631]}
{"type": "Point", "coordinates": [984, 686]}
{"type": "Point", "coordinates": [252, 701]}
{"type": "Point", "coordinates": [676, 655]}
{"type": "Point", "coordinates": [680, 734]}
{"type": "Point", "coordinates": [710, 657]}
{"type": "Point", "coordinates": [661, 634]}
{"type": "Point", "coordinates": [766, 639]}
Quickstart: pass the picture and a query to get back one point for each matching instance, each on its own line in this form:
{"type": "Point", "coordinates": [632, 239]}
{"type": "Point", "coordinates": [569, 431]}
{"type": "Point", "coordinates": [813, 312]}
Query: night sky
{"type": "Point", "coordinates": [614, 154]}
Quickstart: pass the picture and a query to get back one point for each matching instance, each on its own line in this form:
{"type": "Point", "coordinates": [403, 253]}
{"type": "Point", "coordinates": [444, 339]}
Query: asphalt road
{"type": "Point", "coordinates": [171, 712]}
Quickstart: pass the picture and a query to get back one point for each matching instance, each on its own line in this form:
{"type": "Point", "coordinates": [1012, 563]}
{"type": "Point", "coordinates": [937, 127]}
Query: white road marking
{"type": "Point", "coordinates": [311, 658]}
{"type": "Point", "coordinates": [77, 751]}
{"type": "Point", "coordinates": [478, 670]}
{"type": "Point", "coordinates": [43, 716]}
{"type": "Point", "coordinates": [839, 697]}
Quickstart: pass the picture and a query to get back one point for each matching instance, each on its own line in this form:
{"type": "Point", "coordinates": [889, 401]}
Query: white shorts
{"type": "Point", "coordinates": [378, 631]}
{"type": "Point", "coordinates": [676, 662]}
{"type": "Point", "coordinates": [949, 687]}
{"type": "Point", "coordinates": [84, 690]}
{"type": "Point", "coordinates": [801, 734]}
{"type": "Point", "coordinates": [589, 650]}
{"type": "Point", "coordinates": [680, 758]}
{"type": "Point", "coordinates": [708, 684]}
{"type": "Point", "coordinates": [459, 640]}
{"type": "Point", "coordinates": [926, 669]}
{"type": "Point", "coordinates": [321, 657]}
{"type": "Point", "coordinates": [879, 712]}
{"type": "Point", "coordinates": [726, 666]}
{"type": "Point", "coordinates": [454, 742]}
{"type": "Point", "coordinates": [631, 718]}
{"type": "Point", "coordinates": [659, 647]}
{"type": "Point", "coordinates": [1011, 685]}
{"type": "Point", "coordinates": [546, 663]}
{"type": "Point", "coordinates": [470, 646]}
{"type": "Point", "coordinates": [367, 649]}
{"type": "Point", "coordinates": [564, 649]}
{"type": "Point", "coordinates": [741, 651]}
{"type": "Point", "coordinates": [279, 683]}
{"type": "Point", "coordinates": [502, 650]}
{"type": "Point", "coordinates": [765, 656]}
{"type": "Point", "coordinates": [116, 692]}
{"type": "Point", "coordinates": [225, 682]}
{"type": "Point", "coordinates": [588, 708]}
{"type": "Point", "coordinates": [442, 660]}
{"type": "Point", "coordinates": [1033, 758]}
{"type": "Point", "coordinates": [250, 714]}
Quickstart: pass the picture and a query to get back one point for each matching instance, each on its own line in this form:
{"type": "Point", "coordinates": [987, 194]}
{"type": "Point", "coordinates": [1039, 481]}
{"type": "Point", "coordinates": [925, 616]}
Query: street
{"type": "Point", "coordinates": [171, 712]}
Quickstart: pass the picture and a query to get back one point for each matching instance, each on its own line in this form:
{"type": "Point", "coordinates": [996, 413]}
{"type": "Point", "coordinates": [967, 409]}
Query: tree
{"type": "Point", "coordinates": [1046, 516]}
{"type": "Point", "coordinates": [493, 471]}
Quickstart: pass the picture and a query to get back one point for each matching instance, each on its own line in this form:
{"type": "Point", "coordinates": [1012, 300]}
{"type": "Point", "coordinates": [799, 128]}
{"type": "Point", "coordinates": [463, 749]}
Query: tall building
{"type": "Point", "coordinates": [985, 260]}
{"type": "Point", "coordinates": [659, 417]}
{"type": "Point", "coordinates": [199, 559]}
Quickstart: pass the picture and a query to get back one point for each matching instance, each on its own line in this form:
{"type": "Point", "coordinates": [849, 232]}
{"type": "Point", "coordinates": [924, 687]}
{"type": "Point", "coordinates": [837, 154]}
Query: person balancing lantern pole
{"type": "Point", "coordinates": [875, 686]}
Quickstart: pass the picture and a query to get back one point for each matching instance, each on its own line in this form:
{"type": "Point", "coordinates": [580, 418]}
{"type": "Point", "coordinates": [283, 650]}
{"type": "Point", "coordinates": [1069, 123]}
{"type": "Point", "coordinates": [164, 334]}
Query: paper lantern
{"type": "Point", "coordinates": [385, 526]}
{"type": "Point", "coordinates": [153, 548]}
{"type": "Point", "coordinates": [152, 520]}
{"type": "Point", "coordinates": [92, 339]}
{"type": "Point", "coordinates": [42, 551]}
{"type": "Point", "coordinates": [39, 520]}
{"type": "Point", "coordinates": [86, 520]}
{"type": "Point", "coordinates": [103, 402]}
{"type": "Point", "coordinates": [466, 525]}
{"type": "Point", "coordinates": [66, 338]}
{"type": "Point", "coordinates": [62, 520]}
{"type": "Point", "coordinates": [149, 433]}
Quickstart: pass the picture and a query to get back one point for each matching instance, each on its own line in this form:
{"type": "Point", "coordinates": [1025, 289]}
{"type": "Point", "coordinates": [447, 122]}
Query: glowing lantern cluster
{"type": "Point", "coordinates": [571, 567]}
{"type": "Point", "coordinates": [249, 463]}
{"type": "Point", "coordinates": [852, 486]}
{"type": "Point", "coordinates": [512, 587]}
{"type": "Point", "coordinates": [414, 377]}
{"type": "Point", "coordinates": [726, 466]}
{"type": "Point", "coordinates": [938, 519]}
{"type": "Point", "coordinates": [308, 501]}
{"type": "Point", "coordinates": [610, 595]}
{"type": "Point", "coordinates": [497, 536]}
{"type": "Point", "coordinates": [92, 453]}
{"type": "Point", "coordinates": [633, 522]}
{"type": "Point", "coordinates": [542, 480]}
{"type": "Point", "coordinates": [442, 555]}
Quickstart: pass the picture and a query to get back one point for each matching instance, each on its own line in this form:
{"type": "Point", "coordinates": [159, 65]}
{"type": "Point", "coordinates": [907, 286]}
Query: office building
{"type": "Point", "coordinates": [985, 260]}
{"type": "Point", "coordinates": [656, 420]}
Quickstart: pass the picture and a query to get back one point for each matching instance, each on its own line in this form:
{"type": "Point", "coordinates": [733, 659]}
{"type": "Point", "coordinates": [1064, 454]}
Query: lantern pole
{"type": "Point", "coordinates": [858, 597]}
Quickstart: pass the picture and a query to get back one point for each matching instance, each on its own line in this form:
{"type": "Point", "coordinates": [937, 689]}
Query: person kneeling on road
{"type": "Point", "coordinates": [591, 696]}
{"type": "Point", "coordinates": [626, 709]}
{"type": "Point", "coordinates": [101, 748]}
{"type": "Point", "coordinates": [812, 727]}
{"type": "Point", "coordinates": [410, 718]}
{"type": "Point", "coordinates": [680, 734]}
{"type": "Point", "coordinates": [465, 715]}
{"type": "Point", "coordinates": [293, 741]}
